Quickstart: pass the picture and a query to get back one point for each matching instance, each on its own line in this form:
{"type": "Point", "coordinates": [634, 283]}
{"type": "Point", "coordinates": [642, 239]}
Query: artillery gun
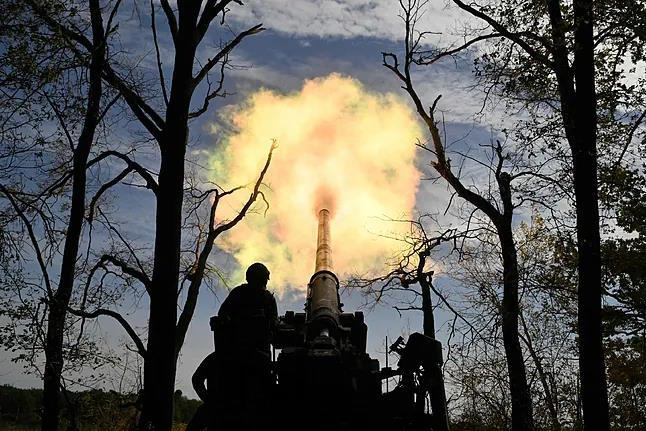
{"type": "Point", "coordinates": [325, 379]}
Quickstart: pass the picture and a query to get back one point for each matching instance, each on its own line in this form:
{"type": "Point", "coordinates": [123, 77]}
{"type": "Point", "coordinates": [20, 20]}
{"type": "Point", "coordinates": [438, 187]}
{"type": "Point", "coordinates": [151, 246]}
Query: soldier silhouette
{"type": "Point", "coordinates": [206, 372]}
{"type": "Point", "coordinates": [238, 374]}
{"type": "Point", "coordinates": [250, 314]}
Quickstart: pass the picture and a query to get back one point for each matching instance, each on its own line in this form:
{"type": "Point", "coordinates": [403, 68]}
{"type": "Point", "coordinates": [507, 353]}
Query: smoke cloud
{"type": "Point", "coordinates": [340, 147]}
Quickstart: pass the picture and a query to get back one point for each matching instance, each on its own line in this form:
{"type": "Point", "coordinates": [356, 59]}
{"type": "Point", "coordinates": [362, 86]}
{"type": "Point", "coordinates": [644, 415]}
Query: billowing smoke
{"type": "Point", "coordinates": [340, 147]}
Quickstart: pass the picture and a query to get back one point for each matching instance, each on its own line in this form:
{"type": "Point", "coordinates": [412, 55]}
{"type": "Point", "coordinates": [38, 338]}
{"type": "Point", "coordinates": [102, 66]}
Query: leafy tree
{"type": "Point", "coordinates": [169, 128]}
{"type": "Point", "coordinates": [58, 295]}
{"type": "Point", "coordinates": [497, 201]}
{"type": "Point", "coordinates": [568, 65]}
{"type": "Point", "coordinates": [623, 190]}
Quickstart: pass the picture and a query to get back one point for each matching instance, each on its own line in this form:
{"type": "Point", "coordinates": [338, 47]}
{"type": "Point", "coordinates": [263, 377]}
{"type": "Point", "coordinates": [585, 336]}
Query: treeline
{"type": "Point", "coordinates": [20, 410]}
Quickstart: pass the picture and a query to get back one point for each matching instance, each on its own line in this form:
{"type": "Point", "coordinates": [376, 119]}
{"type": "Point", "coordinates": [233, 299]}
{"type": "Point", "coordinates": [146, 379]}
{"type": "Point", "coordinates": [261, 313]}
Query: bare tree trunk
{"type": "Point", "coordinates": [591, 357]}
{"type": "Point", "coordinates": [160, 363]}
{"type": "Point", "coordinates": [579, 112]}
{"type": "Point", "coordinates": [164, 336]}
{"type": "Point", "coordinates": [59, 302]}
{"type": "Point", "coordinates": [521, 400]}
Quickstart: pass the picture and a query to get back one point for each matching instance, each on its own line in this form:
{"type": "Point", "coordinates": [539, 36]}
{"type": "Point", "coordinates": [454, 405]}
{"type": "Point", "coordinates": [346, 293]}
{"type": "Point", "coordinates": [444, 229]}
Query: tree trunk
{"type": "Point", "coordinates": [160, 362]}
{"type": "Point", "coordinates": [591, 358]}
{"type": "Point", "coordinates": [59, 302]}
{"type": "Point", "coordinates": [584, 155]}
{"type": "Point", "coordinates": [521, 400]}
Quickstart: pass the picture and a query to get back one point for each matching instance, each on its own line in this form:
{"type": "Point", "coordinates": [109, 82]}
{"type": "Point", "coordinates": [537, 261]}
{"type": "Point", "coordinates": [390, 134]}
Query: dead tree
{"type": "Point", "coordinates": [501, 218]}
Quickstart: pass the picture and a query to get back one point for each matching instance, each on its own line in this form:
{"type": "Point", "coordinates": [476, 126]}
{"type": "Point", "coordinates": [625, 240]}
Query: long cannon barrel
{"type": "Point", "coordinates": [323, 290]}
{"type": "Point", "coordinates": [323, 246]}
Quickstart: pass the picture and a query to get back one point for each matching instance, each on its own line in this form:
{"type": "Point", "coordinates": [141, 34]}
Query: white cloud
{"type": "Point", "coordinates": [336, 18]}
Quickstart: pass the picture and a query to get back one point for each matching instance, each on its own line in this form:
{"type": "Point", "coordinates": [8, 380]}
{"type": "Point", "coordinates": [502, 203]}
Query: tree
{"type": "Point", "coordinates": [550, 58]}
{"type": "Point", "coordinates": [171, 134]}
{"type": "Point", "coordinates": [119, 261]}
{"type": "Point", "coordinates": [547, 317]}
{"type": "Point", "coordinates": [60, 300]}
{"type": "Point", "coordinates": [58, 296]}
{"type": "Point", "coordinates": [623, 189]}
{"type": "Point", "coordinates": [170, 131]}
{"type": "Point", "coordinates": [498, 213]}
{"type": "Point", "coordinates": [577, 53]}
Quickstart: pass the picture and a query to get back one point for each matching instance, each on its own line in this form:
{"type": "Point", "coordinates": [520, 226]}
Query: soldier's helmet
{"type": "Point", "coordinates": [257, 274]}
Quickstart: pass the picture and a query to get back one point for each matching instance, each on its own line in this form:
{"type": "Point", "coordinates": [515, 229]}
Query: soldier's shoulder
{"type": "Point", "coordinates": [269, 296]}
{"type": "Point", "coordinates": [238, 289]}
{"type": "Point", "coordinates": [268, 293]}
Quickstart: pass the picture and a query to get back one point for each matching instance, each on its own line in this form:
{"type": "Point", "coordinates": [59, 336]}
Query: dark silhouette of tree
{"type": "Point", "coordinates": [60, 300]}
{"type": "Point", "coordinates": [566, 64]}
{"type": "Point", "coordinates": [500, 216]}
{"type": "Point", "coordinates": [58, 295]}
{"type": "Point", "coordinates": [623, 189]}
{"type": "Point", "coordinates": [168, 127]}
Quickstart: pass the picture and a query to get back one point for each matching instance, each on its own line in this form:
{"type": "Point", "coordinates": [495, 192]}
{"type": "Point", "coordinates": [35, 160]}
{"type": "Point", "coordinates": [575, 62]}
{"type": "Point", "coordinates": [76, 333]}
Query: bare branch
{"type": "Point", "coordinates": [133, 254]}
{"type": "Point", "coordinates": [127, 269]}
{"type": "Point", "coordinates": [61, 121]}
{"type": "Point", "coordinates": [211, 10]}
{"type": "Point", "coordinates": [170, 17]}
{"type": "Point", "coordinates": [197, 273]}
{"type": "Point", "coordinates": [109, 105]}
{"type": "Point", "coordinates": [224, 52]}
{"type": "Point", "coordinates": [119, 318]}
{"type": "Point", "coordinates": [108, 27]}
{"type": "Point", "coordinates": [105, 188]}
{"type": "Point", "coordinates": [629, 139]}
{"type": "Point", "coordinates": [159, 63]}
{"type": "Point", "coordinates": [32, 237]}
{"type": "Point", "coordinates": [149, 118]}
{"type": "Point", "coordinates": [425, 58]}
{"type": "Point", "coordinates": [134, 166]}
{"type": "Point", "coordinates": [252, 198]}
{"type": "Point", "coordinates": [212, 94]}
{"type": "Point", "coordinates": [442, 165]}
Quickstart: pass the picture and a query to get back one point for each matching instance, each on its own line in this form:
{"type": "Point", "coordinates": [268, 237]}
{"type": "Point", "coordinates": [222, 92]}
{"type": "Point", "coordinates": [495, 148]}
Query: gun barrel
{"type": "Point", "coordinates": [323, 291]}
{"type": "Point", "coordinates": [323, 245]}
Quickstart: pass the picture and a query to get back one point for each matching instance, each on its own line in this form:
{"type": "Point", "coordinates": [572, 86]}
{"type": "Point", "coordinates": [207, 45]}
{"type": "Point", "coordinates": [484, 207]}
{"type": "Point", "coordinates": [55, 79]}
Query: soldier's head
{"type": "Point", "coordinates": [258, 275]}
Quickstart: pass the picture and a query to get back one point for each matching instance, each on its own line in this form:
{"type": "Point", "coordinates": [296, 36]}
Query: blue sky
{"type": "Point", "coordinates": [303, 40]}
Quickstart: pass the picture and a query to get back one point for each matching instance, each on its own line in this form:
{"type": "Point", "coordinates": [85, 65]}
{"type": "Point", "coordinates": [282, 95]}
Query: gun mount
{"type": "Point", "coordinates": [325, 379]}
